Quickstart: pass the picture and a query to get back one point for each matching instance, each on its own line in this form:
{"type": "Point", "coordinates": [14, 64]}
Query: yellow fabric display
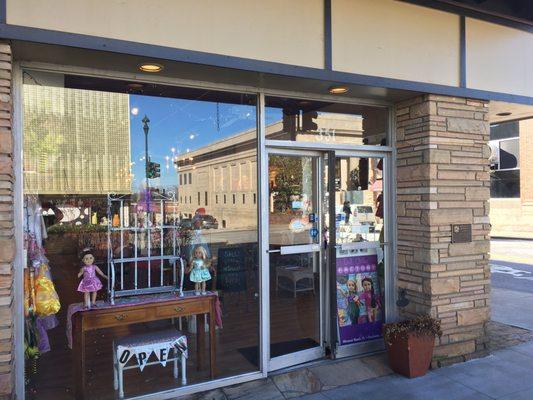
{"type": "Point", "coordinates": [29, 294]}
{"type": "Point", "coordinates": [46, 298]}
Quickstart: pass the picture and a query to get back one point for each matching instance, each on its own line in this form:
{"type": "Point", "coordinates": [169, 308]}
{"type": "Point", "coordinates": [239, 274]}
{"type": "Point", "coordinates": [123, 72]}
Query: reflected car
{"type": "Point", "coordinates": [206, 221]}
{"type": "Point", "coordinates": [185, 223]}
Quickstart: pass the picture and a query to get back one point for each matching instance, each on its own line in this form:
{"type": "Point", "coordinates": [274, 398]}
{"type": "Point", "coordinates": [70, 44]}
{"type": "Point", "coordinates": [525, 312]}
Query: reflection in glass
{"type": "Point", "coordinates": [293, 192]}
{"type": "Point", "coordinates": [294, 278]}
{"type": "Point", "coordinates": [359, 248]}
{"type": "Point", "coordinates": [321, 122]}
{"type": "Point", "coordinates": [93, 177]}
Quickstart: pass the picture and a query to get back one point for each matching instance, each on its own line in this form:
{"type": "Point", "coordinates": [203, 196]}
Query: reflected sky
{"type": "Point", "coordinates": [182, 125]}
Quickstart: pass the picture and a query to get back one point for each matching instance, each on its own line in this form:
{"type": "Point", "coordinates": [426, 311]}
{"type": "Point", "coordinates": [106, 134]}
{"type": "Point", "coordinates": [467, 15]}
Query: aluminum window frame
{"type": "Point", "coordinates": [262, 186]}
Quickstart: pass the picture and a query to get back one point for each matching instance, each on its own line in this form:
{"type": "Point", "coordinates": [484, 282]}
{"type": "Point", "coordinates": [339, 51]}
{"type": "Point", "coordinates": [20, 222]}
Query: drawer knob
{"type": "Point", "coordinates": [179, 309]}
{"type": "Point", "coordinates": [120, 317]}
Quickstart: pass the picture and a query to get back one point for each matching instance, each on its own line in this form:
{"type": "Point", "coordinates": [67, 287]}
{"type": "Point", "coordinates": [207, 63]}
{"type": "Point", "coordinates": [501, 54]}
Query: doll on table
{"type": "Point", "coordinates": [199, 269]}
{"type": "Point", "coordinates": [90, 284]}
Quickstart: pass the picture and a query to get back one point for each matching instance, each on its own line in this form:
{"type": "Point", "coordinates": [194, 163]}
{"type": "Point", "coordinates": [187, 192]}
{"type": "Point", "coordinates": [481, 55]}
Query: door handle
{"type": "Point", "coordinates": [274, 251]}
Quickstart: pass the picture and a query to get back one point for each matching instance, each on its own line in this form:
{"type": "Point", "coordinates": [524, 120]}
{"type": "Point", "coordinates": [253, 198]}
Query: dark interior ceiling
{"type": "Point", "coordinates": [289, 105]}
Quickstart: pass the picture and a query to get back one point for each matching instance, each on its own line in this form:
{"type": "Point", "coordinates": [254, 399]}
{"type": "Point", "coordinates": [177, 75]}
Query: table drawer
{"type": "Point", "coordinates": [181, 309]}
{"type": "Point", "coordinates": [118, 317]}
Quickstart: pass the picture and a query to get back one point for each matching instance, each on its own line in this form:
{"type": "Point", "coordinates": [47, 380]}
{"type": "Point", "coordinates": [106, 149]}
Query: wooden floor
{"type": "Point", "coordinates": [290, 319]}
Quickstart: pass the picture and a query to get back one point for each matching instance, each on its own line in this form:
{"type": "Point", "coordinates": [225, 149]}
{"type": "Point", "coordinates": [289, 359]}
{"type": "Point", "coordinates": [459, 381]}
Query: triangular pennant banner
{"type": "Point", "coordinates": [124, 355]}
{"type": "Point", "coordinates": [162, 350]}
{"type": "Point", "coordinates": [142, 357]}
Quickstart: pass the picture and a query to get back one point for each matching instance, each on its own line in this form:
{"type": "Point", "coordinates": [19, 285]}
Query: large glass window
{"type": "Point", "coordinates": [325, 122]}
{"type": "Point", "coordinates": [108, 246]}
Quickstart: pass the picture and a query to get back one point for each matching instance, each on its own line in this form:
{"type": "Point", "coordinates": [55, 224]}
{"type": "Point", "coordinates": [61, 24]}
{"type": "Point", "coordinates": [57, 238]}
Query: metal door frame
{"type": "Point", "coordinates": [318, 352]}
{"type": "Point", "coordinates": [378, 344]}
{"type": "Point", "coordinates": [328, 312]}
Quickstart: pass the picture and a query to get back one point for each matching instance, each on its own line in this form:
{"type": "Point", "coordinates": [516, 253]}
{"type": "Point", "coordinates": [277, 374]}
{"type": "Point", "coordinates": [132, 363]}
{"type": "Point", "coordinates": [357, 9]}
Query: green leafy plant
{"type": "Point", "coordinates": [353, 179]}
{"type": "Point", "coordinates": [286, 180]}
{"type": "Point", "coordinates": [421, 325]}
{"type": "Point", "coordinates": [31, 345]}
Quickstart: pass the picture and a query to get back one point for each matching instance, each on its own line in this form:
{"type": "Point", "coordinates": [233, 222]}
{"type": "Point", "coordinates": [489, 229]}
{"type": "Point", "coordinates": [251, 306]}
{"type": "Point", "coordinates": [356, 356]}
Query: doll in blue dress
{"type": "Point", "coordinates": [199, 267]}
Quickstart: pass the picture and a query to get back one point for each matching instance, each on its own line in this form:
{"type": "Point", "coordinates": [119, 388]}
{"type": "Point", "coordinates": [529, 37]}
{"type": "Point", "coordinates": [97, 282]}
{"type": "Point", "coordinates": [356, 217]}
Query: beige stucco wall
{"type": "Point", "coordinates": [395, 40]}
{"type": "Point", "coordinates": [511, 218]}
{"type": "Point", "coordinates": [289, 32]}
{"type": "Point", "coordinates": [499, 58]}
{"type": "Point", "coordinates": [384, 38]}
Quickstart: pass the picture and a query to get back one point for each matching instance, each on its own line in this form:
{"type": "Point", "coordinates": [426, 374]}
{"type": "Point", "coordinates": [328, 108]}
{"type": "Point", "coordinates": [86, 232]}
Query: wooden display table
{"type": "Point", "coordinates": [139, 310]}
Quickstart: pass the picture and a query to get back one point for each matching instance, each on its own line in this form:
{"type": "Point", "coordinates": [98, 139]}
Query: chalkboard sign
{"type": "Point", "coordinates": [231, 269]}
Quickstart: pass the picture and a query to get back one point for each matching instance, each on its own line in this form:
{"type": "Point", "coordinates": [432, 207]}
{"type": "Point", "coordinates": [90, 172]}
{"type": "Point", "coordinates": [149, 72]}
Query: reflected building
{"type": "Point", "coordinates": [221, 179]}
{"type": "Point", "coordinates": [76, 142]}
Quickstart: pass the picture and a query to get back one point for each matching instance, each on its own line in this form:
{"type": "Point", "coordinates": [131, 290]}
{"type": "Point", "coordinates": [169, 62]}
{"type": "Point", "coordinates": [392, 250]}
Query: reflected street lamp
{"type": "Point", "coordinates": [146, 128]}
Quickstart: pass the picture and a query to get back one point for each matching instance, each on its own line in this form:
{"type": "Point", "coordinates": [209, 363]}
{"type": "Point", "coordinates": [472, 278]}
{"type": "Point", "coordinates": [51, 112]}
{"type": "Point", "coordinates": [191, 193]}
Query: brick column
{"type": "Point", "coordinates": [443, 179]}
{"type": "Point", "coordinates": [7, 240]}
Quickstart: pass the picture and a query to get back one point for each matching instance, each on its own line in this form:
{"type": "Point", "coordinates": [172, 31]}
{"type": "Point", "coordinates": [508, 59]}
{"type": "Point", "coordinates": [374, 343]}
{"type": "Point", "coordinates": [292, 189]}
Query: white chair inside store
{"type": "Point", "coordinates": [162, 346]}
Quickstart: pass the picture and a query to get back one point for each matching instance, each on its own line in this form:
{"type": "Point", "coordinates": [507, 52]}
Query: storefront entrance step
{"type": "Point", "coordinates": [262, 389]}
{"type": "Point", "coordinates": [216, 394]}
{"type": "Point", "coordinates": [310, 379]}
{"type": "Point", "coordinates": [297, 383]}
{"type": "Point", "coordinates": [350, 371]}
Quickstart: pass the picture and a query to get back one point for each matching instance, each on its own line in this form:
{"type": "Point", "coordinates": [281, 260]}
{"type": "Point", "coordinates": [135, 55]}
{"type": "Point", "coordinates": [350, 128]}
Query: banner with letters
{"type": "Point", "coordinates": [161, 350]}
{"type": "Point", "coordinates": [359, 303]}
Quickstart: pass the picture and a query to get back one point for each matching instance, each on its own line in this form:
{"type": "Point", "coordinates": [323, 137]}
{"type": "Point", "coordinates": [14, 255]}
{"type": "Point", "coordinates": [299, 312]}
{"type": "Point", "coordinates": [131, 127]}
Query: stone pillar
{"type": "Point", "coordinates": [443, 179]}
{"type": "Point", "coordinates": [7, 240]}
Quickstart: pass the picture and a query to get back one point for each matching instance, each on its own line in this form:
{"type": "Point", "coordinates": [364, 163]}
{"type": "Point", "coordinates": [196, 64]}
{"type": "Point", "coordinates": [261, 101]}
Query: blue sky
{"type": "Point", "coordinates": [182, 124]}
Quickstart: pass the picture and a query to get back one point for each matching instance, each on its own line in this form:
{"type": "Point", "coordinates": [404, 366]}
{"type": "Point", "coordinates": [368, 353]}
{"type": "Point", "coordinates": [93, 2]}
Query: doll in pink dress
{"type": "Point", "coordinates": [370, 299]}
{"type": "Point", "coordinates": [90, 284]}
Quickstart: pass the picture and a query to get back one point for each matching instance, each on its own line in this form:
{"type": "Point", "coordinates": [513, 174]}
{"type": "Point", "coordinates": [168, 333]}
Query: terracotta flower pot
{"type": "Point", "coordinates": [411, 356]}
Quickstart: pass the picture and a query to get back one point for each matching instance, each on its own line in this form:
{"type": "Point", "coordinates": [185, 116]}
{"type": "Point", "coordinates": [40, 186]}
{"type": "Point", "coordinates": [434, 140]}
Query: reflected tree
{"type": "Point", "coordinates": [285, 181]}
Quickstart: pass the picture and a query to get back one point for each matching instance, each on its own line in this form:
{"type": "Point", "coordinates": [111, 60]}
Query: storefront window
{"type": "Point", "coordinates": [324, 122]}
{"type": "Point", "coordinates": [131, 259]}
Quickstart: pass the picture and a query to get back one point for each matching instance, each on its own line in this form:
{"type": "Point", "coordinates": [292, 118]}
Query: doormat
{"type": "Point", "coordinates": [278, 349]}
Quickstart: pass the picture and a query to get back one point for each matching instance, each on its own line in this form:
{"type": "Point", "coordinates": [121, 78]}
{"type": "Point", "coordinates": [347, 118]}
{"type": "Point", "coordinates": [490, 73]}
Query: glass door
{"type": "Point", "coordinates": [356, 214]}
{"type": "Point", "coordinates": [295, 255]}
{"type": "Point", "coordinates": [328, 250]}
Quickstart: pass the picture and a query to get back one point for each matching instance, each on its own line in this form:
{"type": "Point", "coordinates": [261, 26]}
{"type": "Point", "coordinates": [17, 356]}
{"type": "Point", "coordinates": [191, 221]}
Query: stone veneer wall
{"type": "Point", "coordinates": [7, 239]}
{"type": "Point", "coordinates": [443, 179]}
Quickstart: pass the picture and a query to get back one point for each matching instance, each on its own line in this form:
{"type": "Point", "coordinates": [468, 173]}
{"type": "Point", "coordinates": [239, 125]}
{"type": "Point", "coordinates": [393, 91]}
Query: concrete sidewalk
{"type": "Point", "coordinates": [506, 374]}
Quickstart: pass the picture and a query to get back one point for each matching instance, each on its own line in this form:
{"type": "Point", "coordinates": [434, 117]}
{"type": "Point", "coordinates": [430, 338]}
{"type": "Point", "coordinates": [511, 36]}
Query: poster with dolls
{"type": "Point", "coordinates": [359, 303]}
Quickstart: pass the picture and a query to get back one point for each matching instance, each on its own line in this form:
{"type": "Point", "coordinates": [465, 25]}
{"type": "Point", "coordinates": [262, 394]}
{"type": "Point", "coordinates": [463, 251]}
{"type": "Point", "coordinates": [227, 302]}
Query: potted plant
{"type": "Point", "coordinates": [410, 344]}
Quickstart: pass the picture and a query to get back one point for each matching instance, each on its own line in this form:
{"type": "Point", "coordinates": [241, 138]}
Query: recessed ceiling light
{"type": "Point", "coordinates": [151, 67]}
{"type": "Point", "coordinates": [338, 89]}
{"type": "Point", "coordinates": [504, 114]}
